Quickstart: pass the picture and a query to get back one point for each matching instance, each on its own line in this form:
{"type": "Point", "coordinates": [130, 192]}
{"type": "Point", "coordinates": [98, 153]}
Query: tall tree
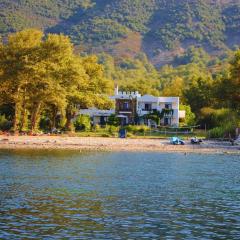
{"type": "Point", "coordinates": [229, 88]}
{"type": "Point", "coordinates": [37, 73]}
{"type": "Point", "coordinates": [90, 92]}
{"type": "Point", "coordinates": [16, 62]}
{"type": "Point", "coordinates": [199, 94]}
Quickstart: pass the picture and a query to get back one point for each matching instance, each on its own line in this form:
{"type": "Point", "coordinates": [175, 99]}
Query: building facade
{"type": "Point", "coordinates": [126, 106]}
{"type": "Point", "coordinates": [168, 106]}
{"type": "Point", "coordinates": [98, 117]}
{"type": "Point", "coordinates": [132, 108]}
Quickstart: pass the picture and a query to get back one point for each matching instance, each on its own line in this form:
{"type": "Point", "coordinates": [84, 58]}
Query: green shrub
{"type": "Point", "coordinates": [113, 120]}
{"type": "Point", "coordinates": [96, 128]}
{"type": "Point", "coordinates": [82, 123]}
{"type": "Point", "coordinates": [224, 131]}
{"type": "Point", "coordinates": [217, 132]}
{"type": "Point", "coordinates": [129, 135]}
{"type": "Point", "coordinates": [44, 123]}
{"type": "Point", "coordinates": [112, 129]}
{"type": "Point", "coordinates": [218, 117]}
{"type": "Point", "coordinates": [62, 122]}
{"type": "Point", "coordinates": [5, 125]}
{"type": "Point", "coordinates": [190, 118]}
{"type": "Point", "coordinates": [137, 129]}
{"type": "Point", "coordinates": [105, 135]}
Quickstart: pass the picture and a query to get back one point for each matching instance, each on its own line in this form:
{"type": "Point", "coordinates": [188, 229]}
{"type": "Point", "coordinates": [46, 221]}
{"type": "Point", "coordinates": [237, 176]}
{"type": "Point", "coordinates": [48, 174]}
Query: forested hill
{"type": "Point", "coordinates": [160, 28]}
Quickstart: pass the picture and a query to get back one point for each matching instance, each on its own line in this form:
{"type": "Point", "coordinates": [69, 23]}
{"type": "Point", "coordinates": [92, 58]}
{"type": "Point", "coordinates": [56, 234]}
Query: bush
{"type": "Point", "coordinates": [177, 130]}
{"type": "Point", "coordinates": [112, 129]}
{"type": "Point", "coordinates": [82, 123]}
{"type": "Point", "coordinates": [224, 131]}
{"type": "Point", "coordinates": [113, 120]}
{"type": "Point", "coordinates": [5, 125]}
{"type": "Point", "coordinates": [190, 118]}
{"type": "Point", "coordinates": [62, 122]}
{"type": "Point", "coordinates": [130, 135]}
{"type": "Point", "coordinates": [96, 128]}
{"type": "Point", "coordinates": [223, 122]}
{"type": "Point", "coordinates": [217, 132]}
{"type": "Point", "coordinates": [44, 123]}
{"type": "Point", "coordinates": [105, 135]}
{"type": "Point", "coordinates": [218, 117]}
{"type": "Point", "coordinates": [137, 129]}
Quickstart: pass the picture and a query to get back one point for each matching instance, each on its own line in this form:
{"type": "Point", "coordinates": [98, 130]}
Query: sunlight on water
{"type": "Point", "coordinates": [73, 195]}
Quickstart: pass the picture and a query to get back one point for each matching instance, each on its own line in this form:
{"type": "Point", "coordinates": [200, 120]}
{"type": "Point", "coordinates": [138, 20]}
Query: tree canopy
{"type": "Point", "coordinates": [39, 73]}
{"type": "Point", "coordinates": [42, 78]}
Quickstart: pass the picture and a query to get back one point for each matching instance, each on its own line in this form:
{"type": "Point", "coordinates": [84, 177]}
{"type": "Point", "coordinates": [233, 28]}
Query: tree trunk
{"type": "Point", "coordinates": [24, 120]}
{"type": "Point", "coordinates": [69, 116]}
{"type": "Point", "coordinates": [16, 118]}
{"type": "Point", "coordinates": [54, 116]}
{"type": "Point", "coordinates": [35, 117]}
{"type": "Point", "coordinates": [68, 122]}
{"type": "Point", "coordinates": [23, 117]}
{"type": "Point", "coordinates": [17, 112]}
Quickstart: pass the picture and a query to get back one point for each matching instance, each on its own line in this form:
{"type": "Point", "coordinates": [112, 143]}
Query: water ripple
{"type": "Point", "coordinates": [67, 195]}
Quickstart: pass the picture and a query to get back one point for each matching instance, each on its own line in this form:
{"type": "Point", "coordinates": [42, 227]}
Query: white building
{"type": "Point", "coordinates": [148, 103]}
{"type": "Point", "coordinates": [128, 105]}
{"type": "Point", "coordinates": [98, 117]}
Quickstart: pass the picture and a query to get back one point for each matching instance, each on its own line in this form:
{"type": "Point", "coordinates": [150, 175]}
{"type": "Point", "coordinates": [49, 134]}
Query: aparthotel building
{"type": "Point", "coordinates": [132, 108]}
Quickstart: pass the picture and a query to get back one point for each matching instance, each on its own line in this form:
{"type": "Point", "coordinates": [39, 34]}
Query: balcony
{"type": "Point", "coordinates": [147, 109]}
{"type": "Point", "coordinates": [122, 109]}
{"type": "Point", "coordinates": [168, 112]}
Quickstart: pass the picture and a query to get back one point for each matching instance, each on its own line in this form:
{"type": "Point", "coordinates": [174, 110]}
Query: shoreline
{"type": "Point", "coordinates": [112, 145]}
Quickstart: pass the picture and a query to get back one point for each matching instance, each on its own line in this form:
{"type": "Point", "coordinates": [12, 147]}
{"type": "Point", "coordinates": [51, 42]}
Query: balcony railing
{"type": "Point", "coordinates": [168, 112]}
{"type": "Point", "coordinates": [125, 109]}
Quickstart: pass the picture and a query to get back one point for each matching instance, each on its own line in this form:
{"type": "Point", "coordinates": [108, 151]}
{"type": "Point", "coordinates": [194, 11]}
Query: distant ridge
{"type": "Point", "coordinates": [160, 28]}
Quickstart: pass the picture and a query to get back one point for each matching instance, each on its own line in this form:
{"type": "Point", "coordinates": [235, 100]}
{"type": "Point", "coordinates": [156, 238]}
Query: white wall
{"type": "Point", "coordinates": [159, 104]}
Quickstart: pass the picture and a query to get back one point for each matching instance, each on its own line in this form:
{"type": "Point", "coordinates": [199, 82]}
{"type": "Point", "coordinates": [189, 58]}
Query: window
{"type": "Point", "coordinates": [167, 121]}
{"type": "Point", "coordinates": [126, 105]}
{"type": "Point", "coordinates": [148, 107]}
{"type": "Point", "coordinates": [168, 106]}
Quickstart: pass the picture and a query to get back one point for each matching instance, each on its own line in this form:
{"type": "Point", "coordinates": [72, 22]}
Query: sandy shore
{"type": "Point", "coordinates": [111, 144]}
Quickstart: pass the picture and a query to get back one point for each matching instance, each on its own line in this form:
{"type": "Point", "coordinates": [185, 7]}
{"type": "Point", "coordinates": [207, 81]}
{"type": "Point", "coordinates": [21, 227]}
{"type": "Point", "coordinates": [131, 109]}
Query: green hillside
{"type": "Point", "coordinates": [162, 29]}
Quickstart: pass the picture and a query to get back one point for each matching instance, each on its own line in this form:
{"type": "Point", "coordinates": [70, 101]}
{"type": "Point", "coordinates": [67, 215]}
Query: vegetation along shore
{"type": "Point", "coordinates": [45, 84]}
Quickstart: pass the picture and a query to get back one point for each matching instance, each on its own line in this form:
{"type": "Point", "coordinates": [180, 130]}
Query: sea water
{"type": "Point", "coordinates": [74, 195]}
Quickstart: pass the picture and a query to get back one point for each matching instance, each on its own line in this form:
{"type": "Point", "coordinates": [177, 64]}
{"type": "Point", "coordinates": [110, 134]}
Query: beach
{"type": "Point", "coordinates": [112, 144]}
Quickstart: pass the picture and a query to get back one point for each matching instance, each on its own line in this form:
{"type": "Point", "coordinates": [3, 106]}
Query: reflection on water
{"type": "Point", "coordinates": [74, 195]}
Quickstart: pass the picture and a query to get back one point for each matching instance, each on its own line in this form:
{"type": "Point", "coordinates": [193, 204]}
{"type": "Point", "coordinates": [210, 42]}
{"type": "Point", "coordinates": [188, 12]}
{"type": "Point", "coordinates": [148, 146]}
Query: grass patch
{"type": "Point", "coordinates": [105, 132]}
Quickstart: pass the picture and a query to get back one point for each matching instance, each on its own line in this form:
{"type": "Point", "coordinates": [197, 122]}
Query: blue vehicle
{"type": "Point", "coordinates": [176, 141]}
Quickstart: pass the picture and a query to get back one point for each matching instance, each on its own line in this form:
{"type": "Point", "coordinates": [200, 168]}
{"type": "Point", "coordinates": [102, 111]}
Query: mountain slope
{"type": "Point", "coordinates": [160, 28]}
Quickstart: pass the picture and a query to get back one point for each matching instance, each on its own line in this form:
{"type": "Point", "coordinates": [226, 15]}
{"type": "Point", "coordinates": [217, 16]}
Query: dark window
{"type": "Point", "coordinates": [126, 105]}
{"type": "Point", "coordinates": [148, 107]}
{"type": "Point", "coordinates": [168, 106]}
{"type": "Point", "coordinates": [102, 120]}
{"type": "Point", "coordinates": [166, 121]}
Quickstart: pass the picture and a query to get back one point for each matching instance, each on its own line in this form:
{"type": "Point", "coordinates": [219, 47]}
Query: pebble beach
{"type": "Point", "coordinates": [112, 144]}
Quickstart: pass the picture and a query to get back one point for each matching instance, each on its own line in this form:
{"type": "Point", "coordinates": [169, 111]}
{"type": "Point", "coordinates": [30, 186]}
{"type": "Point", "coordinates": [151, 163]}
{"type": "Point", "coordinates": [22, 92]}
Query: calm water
{"type": "Point", "coordinates": [66, 195]}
